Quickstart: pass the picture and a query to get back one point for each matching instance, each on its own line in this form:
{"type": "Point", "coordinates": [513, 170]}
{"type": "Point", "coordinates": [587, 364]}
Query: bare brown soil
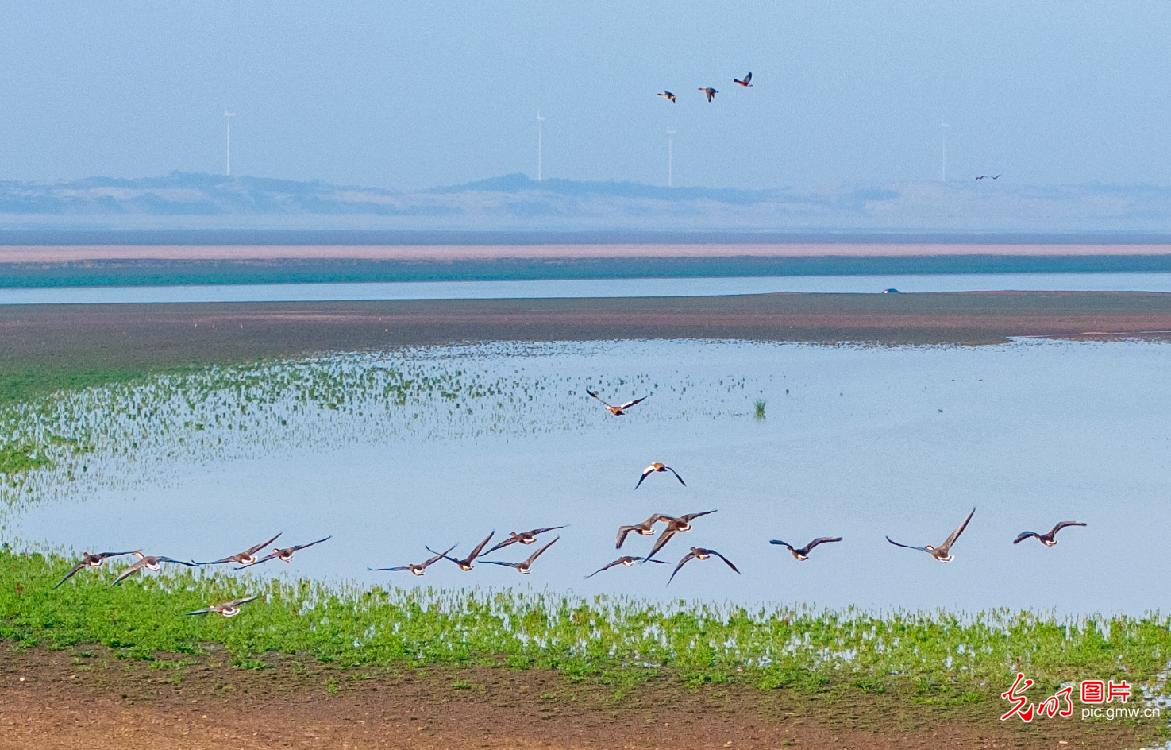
{"type": "Point", "coordinates": [89, 253]}
{"type": "Point", "coordinates": [168, 334]}
{"type": "Point", "coordinates": [62, 700]}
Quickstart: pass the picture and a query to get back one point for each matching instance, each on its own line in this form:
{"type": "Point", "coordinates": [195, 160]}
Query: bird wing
{"type": "Point", "coordinates": [1063, 524]}
{"type": "Point", "coordinates": [660, 543]}
{"type": "Point", "coordinates": [480, 546]}
{"type": "Point", "coordinates": [642, 477]}
{"type": "Point", "coordinates": [607, 566]}
{"type": "Point", "coordinates": [692, 516]}
{"type": "Point", "coordinates": [688, 556]}
{"type": "Point", "coordinates": [905, 546]}
{"type": "Point", "coordinates": [299, 547]}
{"type": "Point", "coordinates": [104, 555]}
{"type": "Point", "coordinates": [726, 560]}
{"type": "Point", "coordinates": [631, 403]}
{"type": "Point", "coordinates": [1024, 535]}
{"type": "Point", "coordinates": [203, 611]}
{"type": "Point", "coordinates": [536, 532]}
{"type": "Point", "coordinates": [437, 557]}
{"type": "Point", "coordinates": [512, 539]}
{"type": "Point", "coordinates": [241, 602]}
{"type": "Point", "coordinates": [668, 468]}
{"type": "Point", "coordinates": [72, 572]}
{"type": "Point", "coordinates": [956, 534]}
{"type": "Point", "coordinates": [782, 543]}
{"type": "Point", "coordinates": [623, 532]}
{"type": "Point", "coordinates": [165, 559]}
{"type": "Point", "coordinates": [396, 567]}
{"type": "Point", "coordinates": [266, 558]}
{"type": "Point", "coordinates": [822, 540]}
{"type": "Point", "coordinates": [595, 395]}
{"type": "Point", "coordinates": [134, 568]}
{"type": "Point", "coordinates": [256, 548]}
{"type": "Point", "coordinates": [444, 555]}
{"type": "Point", "coordinates": [748, 78]}
{"type": "Point", "coordinates": [537, 554]}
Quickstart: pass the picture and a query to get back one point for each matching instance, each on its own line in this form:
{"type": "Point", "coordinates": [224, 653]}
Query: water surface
{"type": "Point", "coordinates": [857, 442]}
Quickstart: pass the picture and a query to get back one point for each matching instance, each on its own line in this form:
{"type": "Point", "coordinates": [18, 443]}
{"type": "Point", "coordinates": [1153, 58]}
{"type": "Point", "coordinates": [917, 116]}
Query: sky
{"type": "Point", "coordinates": [411, 95]}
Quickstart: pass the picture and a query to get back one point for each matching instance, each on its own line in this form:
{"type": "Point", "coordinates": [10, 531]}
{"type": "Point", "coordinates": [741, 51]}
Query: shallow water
{"type": "Point", "coordinates": [642, 287]}
{"type": "Point", "coordinates": [857, 442]}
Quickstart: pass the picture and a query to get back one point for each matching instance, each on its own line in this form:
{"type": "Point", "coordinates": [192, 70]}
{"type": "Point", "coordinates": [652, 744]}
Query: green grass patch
{"type": "Point", "coordinates": [933, 658]}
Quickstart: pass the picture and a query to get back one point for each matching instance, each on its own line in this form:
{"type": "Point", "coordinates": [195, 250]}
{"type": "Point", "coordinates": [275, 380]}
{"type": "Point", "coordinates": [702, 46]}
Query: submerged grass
{"type": "Point", "coordinates": [936, 657]}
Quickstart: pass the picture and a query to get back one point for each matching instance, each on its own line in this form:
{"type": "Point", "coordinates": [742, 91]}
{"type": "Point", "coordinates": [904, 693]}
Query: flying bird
{"type": "Point", "coordinates": [625, 561]}
{"type": "Point", "coordinates": [227, 609]}
{"type": "Point", "coordinates": [525, 565]}
{"type": "Point", "coordinates": [675, 525]}
{"type": "Point", "coordinates": [658, 467]}
{"type": "Point", "coordinates": [149, 562]}
{"type": "Point", "coordinates": [248, 556]}
{"type": "Point", "coordinates": [521, 537]}
{"type": "Point", "coordinates": [90, 560]}
{"type": "Point", "coordinates": [941, 553]}
{"type": "Point", "coordinates": [466, 563]}
{"type": "Point", "coordinates": [1046, 539]}
{"type": "Point", "coordinates": [709, 92]}
{"type": "Point", "coordinates": [619, 410]}
{"type": "Point", "coordinates": [802, 553]}
{"type": "Point", "coordinates": [646, 528]}
{"type": "Point", "coordinates": [746, 82]}
{"type": "Point", "coordinates": [285, 554]}
{"type": "Point", "coordinates": [988, 177]}
{"type": "Point", "coordinates": [668, 96]}
{"type": "Point", "coordinates": [699, 553]}
{"type": "Point", "coordinates": [417, 569]}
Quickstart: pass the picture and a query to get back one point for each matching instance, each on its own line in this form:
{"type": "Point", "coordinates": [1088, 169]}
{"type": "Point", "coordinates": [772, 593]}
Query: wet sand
{"type": "Point", "coordinates": [57, 699]}
{"type": "Point", "coordinates": [165, 334]}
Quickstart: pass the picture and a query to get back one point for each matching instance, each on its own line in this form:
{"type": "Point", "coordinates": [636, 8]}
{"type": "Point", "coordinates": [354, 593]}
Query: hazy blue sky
{"type": "Point", "coordinates": [415, 94]}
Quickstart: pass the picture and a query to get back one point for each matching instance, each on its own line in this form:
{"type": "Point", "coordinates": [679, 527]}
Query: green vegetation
{"type": "Point", "coordinates": [16, 458]}
{"type": "Point", "coordinates": [26, 384]}
{"type": "Point", "coordinates": [938, 657]}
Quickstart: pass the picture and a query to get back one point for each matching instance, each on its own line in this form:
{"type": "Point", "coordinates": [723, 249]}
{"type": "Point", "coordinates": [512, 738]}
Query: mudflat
{"type": "Point", "coordinates": [89, 698]}
{"type": "Point", "coordinates": [218, 332]}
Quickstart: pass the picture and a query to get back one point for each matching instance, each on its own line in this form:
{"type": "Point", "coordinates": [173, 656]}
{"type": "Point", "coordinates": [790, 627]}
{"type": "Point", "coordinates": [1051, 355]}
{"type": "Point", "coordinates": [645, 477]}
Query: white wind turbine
{"type": "Point", "coordinates": [540, 146]}
{"type": "Point", "coordinates": [943, 126]}
{"type": "Point", "coordinates": [228, 155]}
{"type": "Point", "coordinates": [670, 158]}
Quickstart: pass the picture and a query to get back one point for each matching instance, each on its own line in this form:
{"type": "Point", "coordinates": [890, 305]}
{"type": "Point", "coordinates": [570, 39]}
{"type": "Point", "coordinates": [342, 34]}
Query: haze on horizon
{"type": "Point", "coordinates": [422, 94]}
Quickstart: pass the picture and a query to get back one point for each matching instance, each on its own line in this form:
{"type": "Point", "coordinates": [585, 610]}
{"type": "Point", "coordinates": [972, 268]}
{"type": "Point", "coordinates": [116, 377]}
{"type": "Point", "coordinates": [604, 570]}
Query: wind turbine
{"type": "Point", "coordinates": [670, 157]}
{"type": "Point", "coordinates": [943, 126]}
{"type": "Point", "coordinates": [540, 146]}
{"type": "Point", "coordinates": [228, 160]}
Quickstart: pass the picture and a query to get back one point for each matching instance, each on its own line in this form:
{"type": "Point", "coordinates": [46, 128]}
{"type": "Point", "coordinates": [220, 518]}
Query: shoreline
{"type": "Point", "coordinates": [49, 347]}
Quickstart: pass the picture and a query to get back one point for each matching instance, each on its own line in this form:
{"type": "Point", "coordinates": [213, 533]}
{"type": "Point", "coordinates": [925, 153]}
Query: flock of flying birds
{"type": "Point", "coordinates": [708, 91]}
{"type": "Point", "coordinates": [672, 525]}
{"type": "Point", "coordinates": [746, 82]}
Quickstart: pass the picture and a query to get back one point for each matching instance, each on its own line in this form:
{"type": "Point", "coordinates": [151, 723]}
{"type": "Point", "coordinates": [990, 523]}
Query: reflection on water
{"type": "Point", "coordinates": [857, 442]}
{"type": "Point", "coordinates": [640, 287]}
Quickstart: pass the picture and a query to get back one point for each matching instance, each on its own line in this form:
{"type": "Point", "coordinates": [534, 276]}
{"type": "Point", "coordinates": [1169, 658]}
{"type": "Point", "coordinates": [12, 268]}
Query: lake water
{"type": "Point", "coordinates": [857, 442]}
{"type": "Point", "coordinates": [644, 287]}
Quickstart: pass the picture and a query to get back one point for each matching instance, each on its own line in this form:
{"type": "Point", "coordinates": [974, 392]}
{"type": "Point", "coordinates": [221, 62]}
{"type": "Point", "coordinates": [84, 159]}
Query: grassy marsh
{"type": "Point", "coordinates": [937, 657]}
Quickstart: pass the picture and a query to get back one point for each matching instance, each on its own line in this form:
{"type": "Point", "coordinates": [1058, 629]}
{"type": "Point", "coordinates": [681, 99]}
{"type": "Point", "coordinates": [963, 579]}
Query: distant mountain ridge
{"type": "Point", "coordinates": [183, 200]}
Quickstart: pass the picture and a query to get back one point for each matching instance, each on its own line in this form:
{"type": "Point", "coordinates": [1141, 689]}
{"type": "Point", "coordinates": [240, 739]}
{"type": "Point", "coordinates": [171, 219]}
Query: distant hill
{"type": "Point", "coordinates": [515, 202]}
